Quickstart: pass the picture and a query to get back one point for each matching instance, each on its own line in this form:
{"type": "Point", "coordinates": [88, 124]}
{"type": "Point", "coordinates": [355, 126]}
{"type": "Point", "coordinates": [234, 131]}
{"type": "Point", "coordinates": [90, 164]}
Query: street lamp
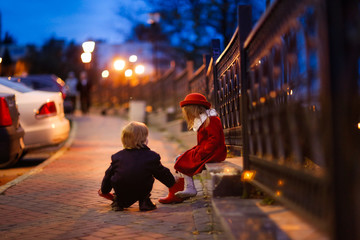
{"type": "Point", "coordinates": [119, 64]}
{"type": "Point", "coordinates": [88, 46]}
{"type": "Point", "coordinates": [105, 74]}
{"type": "Point", "coordinates": [154, 19]}
{"type": "Point", "coordinates": [86, 57]}
{"type": "Point", "coordinates": [139, 69]}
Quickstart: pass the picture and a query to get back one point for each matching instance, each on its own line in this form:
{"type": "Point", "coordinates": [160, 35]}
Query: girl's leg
{"type": "Point", "coordinates": [189, 191]}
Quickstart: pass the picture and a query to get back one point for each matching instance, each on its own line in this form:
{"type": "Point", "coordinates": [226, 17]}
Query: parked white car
{"type": "Point", "coordinates": [41, 114]}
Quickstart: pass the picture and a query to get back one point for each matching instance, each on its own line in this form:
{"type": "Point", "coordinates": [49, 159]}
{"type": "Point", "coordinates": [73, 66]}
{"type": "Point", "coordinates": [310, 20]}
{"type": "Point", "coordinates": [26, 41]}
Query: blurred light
{"type": "Point", "coordinates": [359, 125]}
{"type": "Point", "coordinates": [86, 57]}
{"type": "Point", "coordinates": [105, 74]}
{"type": "Point", "coordinates": [248, 175]}
{"type": "Point", "coordinates": [273, 94]}
{"type": "Point", "coordinates": [88, 46]}
{"type": "Point", "coordinates": [154, 18]}
{"type": "Point", "coordinates": [278, 193]}
{"type": "Point", "coordinates": [280, 182]}
{"type": "Point", "coordinates": [0, 60]}
{"type": "Point", "coordinates": [149, 108]}
{"type": "Point", "coordinates": [119, 64]}
{"type": "Point", "coordinates": [139, 69]}
{"type": "Point", "coordinates": [128, 73]}
{"type": "Point", "coordinates": [133, 58]}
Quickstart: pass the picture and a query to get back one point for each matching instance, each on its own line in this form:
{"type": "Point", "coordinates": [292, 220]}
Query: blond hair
{"type": "Point", "coordinates": [134, 135]}
{"type": "Point", "coordinates": [190, 112]}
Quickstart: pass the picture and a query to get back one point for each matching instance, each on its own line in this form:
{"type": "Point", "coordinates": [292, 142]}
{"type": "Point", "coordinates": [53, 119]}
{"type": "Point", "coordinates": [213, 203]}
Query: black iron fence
{"type": "Point", "coordinates": [294, 81]}
{"type": "Point", "coordinates": [288, 94]}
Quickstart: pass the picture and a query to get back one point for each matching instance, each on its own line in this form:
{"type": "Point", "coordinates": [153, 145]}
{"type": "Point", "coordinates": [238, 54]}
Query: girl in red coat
{"type": "Point", "coordinates": [210, 145]}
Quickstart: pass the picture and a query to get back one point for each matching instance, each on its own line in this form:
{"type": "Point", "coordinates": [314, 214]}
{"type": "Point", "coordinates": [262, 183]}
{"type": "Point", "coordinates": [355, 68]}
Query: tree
{"type": "Point", "coordinates": [191, 24]}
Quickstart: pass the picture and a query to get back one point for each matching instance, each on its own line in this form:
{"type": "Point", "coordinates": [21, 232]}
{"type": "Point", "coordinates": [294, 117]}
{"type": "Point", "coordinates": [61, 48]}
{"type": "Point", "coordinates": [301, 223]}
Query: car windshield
{"type": "Point", "coordinates": [16, 86]}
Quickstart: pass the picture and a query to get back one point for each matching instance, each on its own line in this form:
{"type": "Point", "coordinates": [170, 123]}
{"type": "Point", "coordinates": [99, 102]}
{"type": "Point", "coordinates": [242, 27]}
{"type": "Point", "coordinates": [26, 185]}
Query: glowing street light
{"type": "Point", "coordinates": [128, 73]}
{"type": "Point", "coordinates": [139, 69]}
{"type": "Point", "coordinates": [105, 74]}
{"type": "Point", "coordinates": [133, 58]}
{"type": "Point", "coordinates": [88, 46]}
{"type": "Point", "coordinates": [119, 64]}
{"type": "Point", "coordinates": [86, 57]}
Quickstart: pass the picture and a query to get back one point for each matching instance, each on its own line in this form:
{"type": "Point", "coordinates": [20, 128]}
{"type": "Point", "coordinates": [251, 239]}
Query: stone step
{"type": "Point", "coordinates": [242, 218]}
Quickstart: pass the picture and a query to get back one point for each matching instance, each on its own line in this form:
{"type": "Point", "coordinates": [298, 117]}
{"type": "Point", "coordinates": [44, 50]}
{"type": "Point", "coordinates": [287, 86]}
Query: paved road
{"type": "Point", "coordinates": [59, 200]}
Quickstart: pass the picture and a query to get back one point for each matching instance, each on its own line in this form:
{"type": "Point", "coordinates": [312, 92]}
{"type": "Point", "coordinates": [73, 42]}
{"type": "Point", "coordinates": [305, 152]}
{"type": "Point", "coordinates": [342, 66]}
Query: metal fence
{"type": "Point", "coordinates": [299, 107]}
{"type": "Point", "coordinates": [288, 95]}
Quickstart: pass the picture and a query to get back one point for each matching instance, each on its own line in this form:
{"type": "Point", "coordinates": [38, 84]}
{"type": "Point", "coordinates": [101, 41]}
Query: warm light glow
{"type": "Point", "coordinates": [119, 64]}
{"type": "Point", "coordinates": [278, 193]}
{"type": "Point", "coordinates": [0, 60]}
{"type": "Point", "coordinates": [148, 109]}
{"type": "Point", "coordinates": [133, 58]}
{"type": "Point", "coordinates": [128, 73]}
{"type": "Point", "coordinates": [139, 69]}
{"type": "Point", "coordinates": [88, 46]}
{"type": "Point", "coordinates": [280, 182]}
{"type": "Point", "coordinates": [86, 57]}
{"type": "Point", "coordinates": [248, 175]}
{"type": "Point", "coordinates": [105, 74]}
{"type": "Point", "coordinates": [359, 125]}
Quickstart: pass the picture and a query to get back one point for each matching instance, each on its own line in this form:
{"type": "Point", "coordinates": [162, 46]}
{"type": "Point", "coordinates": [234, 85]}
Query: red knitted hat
{"type": "Point", "coordinates": [195, 99]}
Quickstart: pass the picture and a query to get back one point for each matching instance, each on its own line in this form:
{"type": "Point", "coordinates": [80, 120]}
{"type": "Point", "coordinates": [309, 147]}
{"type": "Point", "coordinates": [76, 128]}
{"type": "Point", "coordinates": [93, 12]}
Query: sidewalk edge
{"type": "Point", "coordinates": [40, 167]}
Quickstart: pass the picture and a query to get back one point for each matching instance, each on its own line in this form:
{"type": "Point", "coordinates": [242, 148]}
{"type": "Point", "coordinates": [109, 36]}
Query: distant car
{"type": "Point", "coordinates": [41, 114]}
{"type": "Point", "coordinates": [47, 82]}
{"type": "Point", "coordinates": [11, 132]}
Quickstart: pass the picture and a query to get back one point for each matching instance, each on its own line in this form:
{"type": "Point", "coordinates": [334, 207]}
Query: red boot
{"type": "Point", "coordinates": [171, 198]}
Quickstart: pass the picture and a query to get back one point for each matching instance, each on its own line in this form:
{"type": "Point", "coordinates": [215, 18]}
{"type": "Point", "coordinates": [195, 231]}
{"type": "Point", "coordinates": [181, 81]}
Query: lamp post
{"type": "Point", "coordinates": [85, 85]}
{"type": "Point", "coordinates": [154, 19]}
{"type": "Point", "coordinates": [86, 56]}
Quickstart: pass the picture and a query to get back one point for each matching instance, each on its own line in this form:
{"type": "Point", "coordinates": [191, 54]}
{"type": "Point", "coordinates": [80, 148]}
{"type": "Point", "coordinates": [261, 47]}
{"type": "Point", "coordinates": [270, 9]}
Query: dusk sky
{"type": "Point", "coordinates": [34, 21]}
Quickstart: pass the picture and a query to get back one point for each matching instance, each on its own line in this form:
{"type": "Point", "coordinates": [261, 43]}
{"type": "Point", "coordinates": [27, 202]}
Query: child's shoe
{"type": "Point", "coordinates": [115, 206]}
{"type": "Point", "coordinates": [146, 205]}
{"type": "Point", "coordinates": [171, 198]}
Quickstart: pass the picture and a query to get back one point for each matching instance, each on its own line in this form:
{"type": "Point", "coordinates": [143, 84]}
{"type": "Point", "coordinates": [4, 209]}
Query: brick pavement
{"type": "Point", "coordinates": [59, 199]}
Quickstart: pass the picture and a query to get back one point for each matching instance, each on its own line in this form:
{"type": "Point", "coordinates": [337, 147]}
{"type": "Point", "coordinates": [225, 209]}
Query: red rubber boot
{"type": "Point", "coordinates": [171, 198]}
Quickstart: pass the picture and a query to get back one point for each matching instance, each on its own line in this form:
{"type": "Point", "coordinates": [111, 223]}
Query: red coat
{"type": "Point", "coordinates": [210, 148]}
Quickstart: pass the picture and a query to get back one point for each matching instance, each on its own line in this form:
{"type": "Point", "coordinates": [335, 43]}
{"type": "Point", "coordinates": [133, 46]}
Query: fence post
{"type": "Point", "coordinates": [244, 24]}
{"type": "Point", "coordinates": [344, 111]}
{"type": "Point", "coordinates": [215, 45]}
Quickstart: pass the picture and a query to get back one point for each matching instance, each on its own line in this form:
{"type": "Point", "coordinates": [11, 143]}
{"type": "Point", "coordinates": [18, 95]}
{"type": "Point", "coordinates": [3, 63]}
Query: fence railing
{"type": "Point", "coordinates": [288, 95]}
{"type": "Point", "coordinates": [293, 89]}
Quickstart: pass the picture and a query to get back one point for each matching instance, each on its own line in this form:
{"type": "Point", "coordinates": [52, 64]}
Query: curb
{"type": "Point", "coordinates": [40, 167]}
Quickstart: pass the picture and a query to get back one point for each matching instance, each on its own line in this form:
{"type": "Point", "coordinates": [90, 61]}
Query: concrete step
{"type": "Point", "coordinates": [242, 218]}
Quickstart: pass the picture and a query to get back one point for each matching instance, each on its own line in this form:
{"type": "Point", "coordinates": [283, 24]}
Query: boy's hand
{"type": "Point", "coordinates": [109, 196]}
